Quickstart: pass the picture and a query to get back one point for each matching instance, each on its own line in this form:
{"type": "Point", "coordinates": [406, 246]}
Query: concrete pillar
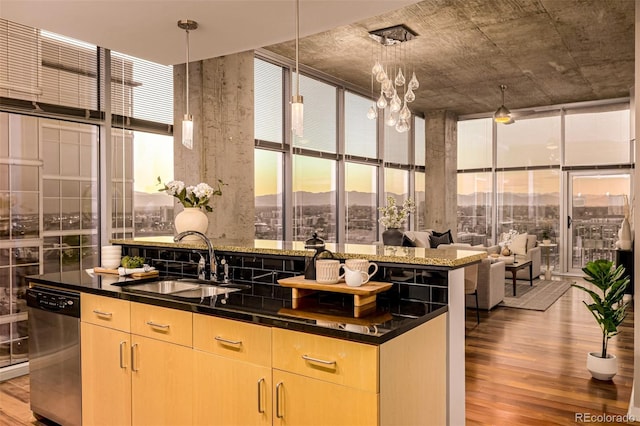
{"type": "Point", "coordinates": [441, 166]}
{"type": "Point", "coordinates": [221, 102]}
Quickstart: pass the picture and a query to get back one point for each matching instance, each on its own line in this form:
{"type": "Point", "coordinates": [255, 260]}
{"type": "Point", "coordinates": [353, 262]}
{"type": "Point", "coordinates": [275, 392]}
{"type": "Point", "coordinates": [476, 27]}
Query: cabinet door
{"type": "Point", "coordinates": [161, 377]}
{"type": "Point", "coordinates": [230, 392]}
{"type": "Point", "coordinates": [303, 401]}
{"type": "Point", "coordinates": [106, 376]}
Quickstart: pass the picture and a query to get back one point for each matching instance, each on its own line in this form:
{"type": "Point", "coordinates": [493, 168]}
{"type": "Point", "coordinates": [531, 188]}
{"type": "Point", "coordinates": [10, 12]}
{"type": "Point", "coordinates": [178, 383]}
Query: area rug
{"type": "Point", "coordinates": [538, 298]}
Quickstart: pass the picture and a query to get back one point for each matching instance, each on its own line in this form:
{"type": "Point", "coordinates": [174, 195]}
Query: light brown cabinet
{"type": "Point", "coordinates": [105, 359]}
{"type": "Point", "coordinates": [144, 364]}
{"type": "Point", "coordinates": [321, 380]}
{"type": "Point", "coordinates": [137, 365]}
{"type": "Point", "coordinates": [106, 376]}
{"type": "Point", "coordinates": [232, 372]}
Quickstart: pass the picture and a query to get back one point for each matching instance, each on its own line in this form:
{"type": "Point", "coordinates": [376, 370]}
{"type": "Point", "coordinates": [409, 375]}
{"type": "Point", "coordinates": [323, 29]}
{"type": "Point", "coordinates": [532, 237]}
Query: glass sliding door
{"type": "Point", "coordinates": [596, 209]}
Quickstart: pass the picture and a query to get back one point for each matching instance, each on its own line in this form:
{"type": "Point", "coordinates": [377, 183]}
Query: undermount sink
{"type": "Point", "coordinates": [163, 287]}
{"type": "Point", "coordinates": [185, 288]}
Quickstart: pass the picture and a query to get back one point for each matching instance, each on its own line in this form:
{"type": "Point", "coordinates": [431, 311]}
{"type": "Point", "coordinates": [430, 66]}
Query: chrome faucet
{"type": "Point", "coordinates": [212, 273]}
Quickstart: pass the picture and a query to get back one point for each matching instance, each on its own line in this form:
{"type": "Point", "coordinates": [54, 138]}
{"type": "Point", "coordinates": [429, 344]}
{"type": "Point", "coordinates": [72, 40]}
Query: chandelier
{"type": "Point", "coordinates": [390, 71]}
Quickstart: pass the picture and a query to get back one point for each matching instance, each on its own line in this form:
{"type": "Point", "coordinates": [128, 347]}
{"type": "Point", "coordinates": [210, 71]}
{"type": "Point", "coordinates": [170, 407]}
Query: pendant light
{"type": "Point", "coordinates": [187, 122]}
{"type": "Point", "coordinates": [502, 114]}
{"type": "Point", "coordinates": [297, 106]}
{"type": "Point", "coordinates": [391, 71]}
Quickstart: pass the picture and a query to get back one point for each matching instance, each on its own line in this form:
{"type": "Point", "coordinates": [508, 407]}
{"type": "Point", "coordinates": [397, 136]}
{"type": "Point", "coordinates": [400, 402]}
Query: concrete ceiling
{"type": "Point", "coordinates": [546, 51]}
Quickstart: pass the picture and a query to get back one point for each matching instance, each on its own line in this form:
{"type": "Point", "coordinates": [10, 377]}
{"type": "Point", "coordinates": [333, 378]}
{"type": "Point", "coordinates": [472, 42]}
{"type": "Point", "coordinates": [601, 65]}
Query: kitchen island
{"type": "Point", "coordinates": [385, 361]}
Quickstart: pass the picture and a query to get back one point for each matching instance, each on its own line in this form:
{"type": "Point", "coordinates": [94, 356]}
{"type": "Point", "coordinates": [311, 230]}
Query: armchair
{"type": "Point", "coordinates": [491, 274]}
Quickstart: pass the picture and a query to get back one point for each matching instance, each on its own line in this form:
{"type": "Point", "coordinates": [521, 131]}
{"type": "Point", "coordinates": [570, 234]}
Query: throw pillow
{"type": "Point", "coordinates": [438, 238]}
{"type": "Point", "coordinates": [519, 244]}
{"type": "Point", "coordinates": [407, 242]}
{"type": "Point", "coordinates": [418, 238]}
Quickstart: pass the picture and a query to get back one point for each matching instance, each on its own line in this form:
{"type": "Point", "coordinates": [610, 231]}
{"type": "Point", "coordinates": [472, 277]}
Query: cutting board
{"type": "Point", "coordinates": [99, 270]}
{"type": "Point", "coordinates": [364, 297]}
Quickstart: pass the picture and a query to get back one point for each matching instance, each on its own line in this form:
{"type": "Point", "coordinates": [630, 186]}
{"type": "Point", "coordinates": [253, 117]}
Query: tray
{"type": "Point", "coordinates": [100, 270]}
{"type": "Point", "coordinates": [364, 297]}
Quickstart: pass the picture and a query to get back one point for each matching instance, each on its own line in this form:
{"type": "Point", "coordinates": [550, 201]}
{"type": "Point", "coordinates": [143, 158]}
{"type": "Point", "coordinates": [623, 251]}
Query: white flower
{"type": "Point", "coordinates": [202, 190]}
{"type": "Point", "coordinates": [175, 187]}
{"type": "Point", "coordinates": [391, 216]}
{"type": "Point", "coordinates": [192, 196]}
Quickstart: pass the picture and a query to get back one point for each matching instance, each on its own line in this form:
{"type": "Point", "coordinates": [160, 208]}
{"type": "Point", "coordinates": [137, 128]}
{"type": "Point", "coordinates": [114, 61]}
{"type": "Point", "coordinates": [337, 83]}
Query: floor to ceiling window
{"type": "Point", "coordinates": [141, 147]}
{"type": "Point", "coordinates": [48, 168]}
{"type": "Point", "coordinates": [564, 172]}
{"type": "Point", "coordinates": [51, 122]}
{"type": "Point", "coordinates": [475, 181]}
{"type": "Point", "coordinates": [333, 179]}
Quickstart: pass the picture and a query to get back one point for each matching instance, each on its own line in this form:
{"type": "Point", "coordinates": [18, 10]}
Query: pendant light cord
{"type": "Point", "coordinates": [187, 71]}
{"type": "Point", "coordinates": [297, 45]}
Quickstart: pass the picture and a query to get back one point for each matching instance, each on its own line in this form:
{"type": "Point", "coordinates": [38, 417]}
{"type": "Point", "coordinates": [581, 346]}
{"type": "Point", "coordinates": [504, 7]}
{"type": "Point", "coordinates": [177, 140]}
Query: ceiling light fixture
{"type": "Point", "coordinates": [187, 122]}
{"type": "Point", "coordinates": [398, 115]}
{"type": "Point", "coordinates": [297, 106]}
{"type": "Point", "coordinates": [502, 114]}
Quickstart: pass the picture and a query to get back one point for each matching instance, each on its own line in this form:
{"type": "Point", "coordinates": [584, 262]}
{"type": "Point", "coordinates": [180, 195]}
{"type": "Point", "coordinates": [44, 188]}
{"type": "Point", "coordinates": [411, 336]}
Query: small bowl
{"type": "Point", "coordinates": [110, 263]}
{"type": "Point", "coordinates": [111, 250]}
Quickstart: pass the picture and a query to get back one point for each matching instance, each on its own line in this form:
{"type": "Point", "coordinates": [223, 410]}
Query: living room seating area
{"type": "Point", "coordinates": [491, 270]}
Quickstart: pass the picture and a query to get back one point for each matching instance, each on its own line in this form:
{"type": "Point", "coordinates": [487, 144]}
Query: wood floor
{"type": "Point", "coordinates": [529, 368]}
{"type": "Point", "coordinates": [522, 368]}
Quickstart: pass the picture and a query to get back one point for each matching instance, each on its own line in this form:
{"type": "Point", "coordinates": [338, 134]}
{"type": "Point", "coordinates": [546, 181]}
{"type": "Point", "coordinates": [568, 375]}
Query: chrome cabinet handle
{"type": "Point", "coordinates": [260, 409]}
{"type": "Point", "coordinates": [102, 313]}
{"type": "Point", "coordinates": [133, 359]}
{"type": "Point", "coordinates": [122, 346]}
{"type": "Point", "coordinates": [320, 361]}
{"type": "Point", "coordinates": [230, 342]}
{"type": "Point", "coordinates": [156, 325]}
{"type": "Point", "coordinates": [278, 414]}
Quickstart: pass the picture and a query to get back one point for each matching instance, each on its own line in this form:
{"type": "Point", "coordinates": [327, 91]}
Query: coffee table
{"type": "Point", "coordinates": [515, 267]}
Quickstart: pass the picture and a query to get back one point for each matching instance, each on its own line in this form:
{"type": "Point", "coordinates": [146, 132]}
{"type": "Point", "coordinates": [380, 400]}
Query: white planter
{"type": "Point", "coordinates": [602, 368]}
{"type": "Point", "coordinates": [191, 219]}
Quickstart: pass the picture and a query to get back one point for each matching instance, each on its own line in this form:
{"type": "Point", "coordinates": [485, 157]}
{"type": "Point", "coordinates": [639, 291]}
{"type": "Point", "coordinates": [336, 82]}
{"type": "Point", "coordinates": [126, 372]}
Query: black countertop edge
{"type": "Point", "coordinates": [246, 315]}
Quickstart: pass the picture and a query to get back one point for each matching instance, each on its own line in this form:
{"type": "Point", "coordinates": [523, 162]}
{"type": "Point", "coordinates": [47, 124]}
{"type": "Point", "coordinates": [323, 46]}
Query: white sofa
{"type": "Point", "coordinates": [526, 248]}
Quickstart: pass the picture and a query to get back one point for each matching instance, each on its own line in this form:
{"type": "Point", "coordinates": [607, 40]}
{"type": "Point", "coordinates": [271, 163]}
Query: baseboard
{"type": "Point", "coordinates": [16, 370]}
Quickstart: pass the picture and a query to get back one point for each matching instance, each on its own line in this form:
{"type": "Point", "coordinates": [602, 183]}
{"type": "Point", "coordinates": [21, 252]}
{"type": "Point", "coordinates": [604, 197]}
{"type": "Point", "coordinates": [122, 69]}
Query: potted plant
{"type": "Point", "coordinates": [608, 308]}
{"type": "Point", "coordinates": [392, 219]}
{"type": "Point", "coordinates": [193, 199]}
{"type": "Point", "coordinates": [546, 239]}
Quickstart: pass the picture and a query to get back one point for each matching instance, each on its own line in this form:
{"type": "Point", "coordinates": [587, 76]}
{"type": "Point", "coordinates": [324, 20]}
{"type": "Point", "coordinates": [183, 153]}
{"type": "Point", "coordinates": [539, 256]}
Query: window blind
{"type": "Point", "coordinates": [47, 68]}
{"type": "Point", "coordinates": [141, 90]}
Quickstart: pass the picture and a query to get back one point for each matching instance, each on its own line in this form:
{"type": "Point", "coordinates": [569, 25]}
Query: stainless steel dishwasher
{"type": "Point", "coordinates": [54, 355]}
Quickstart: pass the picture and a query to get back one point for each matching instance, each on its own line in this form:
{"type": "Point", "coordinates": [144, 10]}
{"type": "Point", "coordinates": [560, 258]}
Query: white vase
{"type": "Point", "coordinates": [602, 368]}
{"type": "Point", "coordinates": [625, 235]}
{"type": "Point", "coordinates": [191, 219]}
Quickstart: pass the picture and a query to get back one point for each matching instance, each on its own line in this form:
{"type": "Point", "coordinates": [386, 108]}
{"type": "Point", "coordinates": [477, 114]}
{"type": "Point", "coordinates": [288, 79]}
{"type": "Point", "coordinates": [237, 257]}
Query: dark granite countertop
{"type": "Point", "coordinates": [324, 313]}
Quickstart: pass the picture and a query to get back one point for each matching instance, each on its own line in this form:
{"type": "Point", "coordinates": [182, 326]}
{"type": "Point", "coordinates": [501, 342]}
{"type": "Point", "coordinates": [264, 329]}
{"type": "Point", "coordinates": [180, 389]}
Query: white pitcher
{"type": "Point", "coordinates": [354, 277]}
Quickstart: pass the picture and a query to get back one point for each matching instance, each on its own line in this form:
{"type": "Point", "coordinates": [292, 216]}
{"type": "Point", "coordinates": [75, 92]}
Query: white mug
{"type": "Point", "coordinates": [328, 271]}
{"type": "Point", "coordinates": [360, 328]}
{"type": "Point", "coordinates": [355, 277]}
{"type": "Point", "coordinates": [362, 265]}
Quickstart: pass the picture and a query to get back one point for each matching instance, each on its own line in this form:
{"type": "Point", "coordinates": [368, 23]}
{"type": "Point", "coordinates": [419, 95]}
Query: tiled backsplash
{"type": "Point", "coordinates": [411, 283]}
